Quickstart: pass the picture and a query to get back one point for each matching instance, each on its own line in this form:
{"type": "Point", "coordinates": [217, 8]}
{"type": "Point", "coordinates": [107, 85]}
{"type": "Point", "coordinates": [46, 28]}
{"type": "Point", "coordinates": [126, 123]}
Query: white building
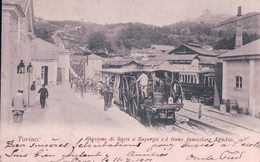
{"type": "Point", "coordinates": [50, 63]}
{"type": "Point", "coordinates": [241, 71]}
{"type": "Point", "coordinates": [92, 66]}
{"type": "Point", "coordinates": [17, 39]}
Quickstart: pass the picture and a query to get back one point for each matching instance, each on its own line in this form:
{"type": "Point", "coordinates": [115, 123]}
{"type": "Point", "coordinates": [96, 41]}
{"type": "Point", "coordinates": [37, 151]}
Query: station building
{"type": "Point", "coordinates": [241, 71]}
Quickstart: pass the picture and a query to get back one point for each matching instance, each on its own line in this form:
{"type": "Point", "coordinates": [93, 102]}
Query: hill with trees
{"type": "Point", "coordinates": [120, 38]}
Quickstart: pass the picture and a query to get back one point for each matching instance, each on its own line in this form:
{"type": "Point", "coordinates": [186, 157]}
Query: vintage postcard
{"type": "Point", "coordinates": [130, 81]}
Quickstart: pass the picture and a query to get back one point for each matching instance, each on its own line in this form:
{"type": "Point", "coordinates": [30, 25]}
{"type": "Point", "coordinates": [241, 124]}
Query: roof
{"type": "Point", "coordinates": [162, 47]}
{"type": "Point", "coordinates": [46, 51]}
{"type": "Point", "coordinates": [183, 57]}
{"type": "Point", "coordinates": [190, 57]}
{"type": "Point", "coordinates": [94, 57]}
{"type": "Point", "coordinates": [22, 3]}
{"type": "Point", "coordinates": [153, 62]}
{"type": "Point", "coordinates": [197, 50]}
{"type": "Point", "coordinates": [121, 71]}
{"type": "Point", "coordinates": [208, 60]}
{"type": "Point", "coordinates": [221, 51]}
{"type": "Point", "coordinates": [201, 50]}
{"type": "Point", "coordinates": [161, 57]}
{"type": "Point", "coordinates": [120, 62]}
{"type": "Point", "coordinates": [250, 49]}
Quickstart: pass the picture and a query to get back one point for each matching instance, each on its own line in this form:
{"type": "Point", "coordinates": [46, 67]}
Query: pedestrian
{"type": "Point", "coordinates": [85, 86]}
{"type": "Point", "coordinates": [19, 105]}
{"type": "Point", "coordinates": [99, 87]}
{"type": "Point", "coordinates": [71, 83]}
{"type": "Point", "coordinates": [81, 86]}
{"type": "Point", "coordinates": [43, 95]}
{"type": "Point", "coordinates": [110, 94]}
{"type": "Point", "coordinates": [106, 96]}
{"type": "Point", "coordinates": [33, 86]}
{"type": "Point", "coordinates": [32, 93]}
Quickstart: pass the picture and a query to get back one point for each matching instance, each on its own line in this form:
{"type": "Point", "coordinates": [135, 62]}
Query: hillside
{"type": "Point", "coordinates": [120, 38]}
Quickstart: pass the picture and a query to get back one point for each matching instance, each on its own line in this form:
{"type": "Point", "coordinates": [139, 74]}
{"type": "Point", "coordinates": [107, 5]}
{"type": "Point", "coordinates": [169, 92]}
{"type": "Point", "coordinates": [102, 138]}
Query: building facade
{"type": "Point", "coordinates": [241, 71]}
{"type": "Point", "coordinates": [51, 63]}
{"type": "Point", "coordinates": [17, 40]}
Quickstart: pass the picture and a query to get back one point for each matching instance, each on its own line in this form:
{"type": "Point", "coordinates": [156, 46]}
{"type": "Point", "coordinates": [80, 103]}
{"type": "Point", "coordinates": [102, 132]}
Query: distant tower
{"type": "Point", "coordinates": [239, 32]}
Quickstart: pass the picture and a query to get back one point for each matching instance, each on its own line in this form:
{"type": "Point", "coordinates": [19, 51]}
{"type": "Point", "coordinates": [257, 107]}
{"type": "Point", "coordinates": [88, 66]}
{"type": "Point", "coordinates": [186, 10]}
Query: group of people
{"type": "Point", "coordinates": [103, 90]}
{"type": "Point", "coordinates": [19, 102]}
{"type": "Point", "coordinates": [82, 85]}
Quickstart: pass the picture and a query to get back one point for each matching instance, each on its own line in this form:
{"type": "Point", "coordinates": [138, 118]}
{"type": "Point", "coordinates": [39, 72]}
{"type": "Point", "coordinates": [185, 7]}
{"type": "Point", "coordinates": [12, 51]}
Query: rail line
{"type": "Point", "coordinates": [220, 130]}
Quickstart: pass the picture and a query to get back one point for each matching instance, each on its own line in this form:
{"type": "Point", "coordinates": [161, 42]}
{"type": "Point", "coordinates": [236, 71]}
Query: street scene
{"type": "Point", "coordinates": [191, 76]}
{"type": "Point", "coordinates": [130, 81]}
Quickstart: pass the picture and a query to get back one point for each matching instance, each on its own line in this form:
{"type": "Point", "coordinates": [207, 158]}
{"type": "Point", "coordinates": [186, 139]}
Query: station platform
{"type": "Point", "coordinates": [229, 123]}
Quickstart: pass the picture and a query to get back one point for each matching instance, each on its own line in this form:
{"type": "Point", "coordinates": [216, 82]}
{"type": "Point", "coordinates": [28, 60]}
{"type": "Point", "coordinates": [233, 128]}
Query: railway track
{"type": "Point", "coordinates": [183, 125]}
{"type": "Point", "coordinates": [220, 126]}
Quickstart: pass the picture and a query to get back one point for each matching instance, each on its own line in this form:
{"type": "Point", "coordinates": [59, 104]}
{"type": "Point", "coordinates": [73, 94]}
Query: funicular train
{"type": "Point", "coordinates": [163, 98]}
{"type": "Point", "coordinates": [200, 90]}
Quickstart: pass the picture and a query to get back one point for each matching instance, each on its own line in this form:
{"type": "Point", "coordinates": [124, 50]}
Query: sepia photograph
{"type": "Point", "coordinates": [130, 81]}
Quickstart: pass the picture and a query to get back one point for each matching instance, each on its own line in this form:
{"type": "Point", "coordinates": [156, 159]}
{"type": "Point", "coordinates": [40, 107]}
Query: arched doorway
{"type": "Point", "coordinates": [44, 74]}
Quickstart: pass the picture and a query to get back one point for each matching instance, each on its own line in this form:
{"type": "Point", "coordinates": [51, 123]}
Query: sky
{"type": "Point", "coordinates": [156, 12]}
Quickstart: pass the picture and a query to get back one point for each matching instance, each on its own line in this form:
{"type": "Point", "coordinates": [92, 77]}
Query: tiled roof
{"type": "Point", "coordinates": [201, 50]}
{"type": "Point", "coordinates": [162, 47]}
{"type": "Point", "coordinates": [120, 62]}
{"type": "Point", "coordinates": [153, 63]}
{"type": "Point", "coordinates": [161, 56]}
{"type": "Point", "coordinates": [249, 49]}
{"type": "Point", "coordinates": [181, 57]}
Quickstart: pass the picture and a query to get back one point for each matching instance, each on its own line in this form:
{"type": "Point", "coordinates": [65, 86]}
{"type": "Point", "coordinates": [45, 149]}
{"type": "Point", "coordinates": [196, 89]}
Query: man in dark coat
{"type": "Point", "coordinates": [43, 95]}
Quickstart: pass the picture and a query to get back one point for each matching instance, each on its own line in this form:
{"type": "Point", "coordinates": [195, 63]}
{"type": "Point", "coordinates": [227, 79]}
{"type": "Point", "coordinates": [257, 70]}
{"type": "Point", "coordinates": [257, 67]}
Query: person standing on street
{"type": "Point", "coordinates": [110, 94]}
{"type": "Point", "coordinates": [106, 96]}
{"type": "Point", "coordinates": [18, 104]}
{"type": "Point", "coordinates": [43, 95]}
{"type": "Point", "coordinates": [32, 93]}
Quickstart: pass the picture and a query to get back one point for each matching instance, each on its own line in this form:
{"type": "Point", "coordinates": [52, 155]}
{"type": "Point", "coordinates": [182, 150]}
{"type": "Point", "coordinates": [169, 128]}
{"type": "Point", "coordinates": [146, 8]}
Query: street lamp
{"type": "Point", "coordinates": [21, 68]}
{"type": "Point", "coordinates": [29, 71]}
{"type": "Point", "coordinates": [29, 68]}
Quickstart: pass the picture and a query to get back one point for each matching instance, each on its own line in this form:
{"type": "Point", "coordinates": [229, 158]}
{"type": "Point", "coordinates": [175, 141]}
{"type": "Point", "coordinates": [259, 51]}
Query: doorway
{"type": "Point", "coordinates": [44, 75]}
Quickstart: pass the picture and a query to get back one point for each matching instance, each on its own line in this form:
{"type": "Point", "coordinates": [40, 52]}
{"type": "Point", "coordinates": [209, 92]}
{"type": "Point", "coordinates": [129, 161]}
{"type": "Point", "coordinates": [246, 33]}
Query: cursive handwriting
{"type": "Point", "coordinates": [16, 153]}
{"type": "Point", "coordinates": [226, 155]}
{"type": "Point", "coordinates": [133, 153]}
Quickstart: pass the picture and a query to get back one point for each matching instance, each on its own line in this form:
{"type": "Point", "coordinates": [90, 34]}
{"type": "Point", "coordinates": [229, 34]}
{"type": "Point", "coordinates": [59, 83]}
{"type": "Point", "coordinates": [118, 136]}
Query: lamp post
{"type": "Point", "coordinates": [29, 71]}
{"type": "Point", "coordinates": [21, 68]}
{"type": "Point", "coordinates": [20, 72]}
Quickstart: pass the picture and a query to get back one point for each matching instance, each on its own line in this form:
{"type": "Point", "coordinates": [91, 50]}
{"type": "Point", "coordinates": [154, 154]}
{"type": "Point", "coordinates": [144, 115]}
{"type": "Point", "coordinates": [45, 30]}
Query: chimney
{"type": "Point", "coordinates": [239, 32]}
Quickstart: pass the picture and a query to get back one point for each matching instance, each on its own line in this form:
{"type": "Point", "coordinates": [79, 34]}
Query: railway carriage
{"type": "Point", "coordinates": [164, 94]}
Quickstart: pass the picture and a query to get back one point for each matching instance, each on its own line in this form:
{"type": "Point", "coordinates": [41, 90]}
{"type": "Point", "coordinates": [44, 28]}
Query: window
{"type": "Point", "coordinates": [238, 82]}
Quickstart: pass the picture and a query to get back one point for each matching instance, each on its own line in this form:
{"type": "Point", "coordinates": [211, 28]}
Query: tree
{"type": "Point", "coordinates": [98, 43]}
{"type": "Point", "coordinates": [229, 41]}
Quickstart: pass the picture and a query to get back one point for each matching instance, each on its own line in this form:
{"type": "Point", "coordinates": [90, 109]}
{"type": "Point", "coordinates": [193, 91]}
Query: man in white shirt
{"type": "Point", "coordinates": [18, 104]}
{"type": "Point", "coordinates": [143, 80]}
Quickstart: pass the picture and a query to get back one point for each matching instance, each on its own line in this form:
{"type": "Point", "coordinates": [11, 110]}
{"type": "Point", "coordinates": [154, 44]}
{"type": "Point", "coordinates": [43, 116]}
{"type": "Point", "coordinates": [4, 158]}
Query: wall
{"type": "Point", "coordinates": [193, 66]}
{"type": "Point", "coordinates": [52, 71]}
{"type": "Point", "coordinates": [234, 68]}
{"type": "Point", "coordinates": [64, 62]}
{"type": "Point", "coordinates": [257, 88]}
{"type": "Point", "coordinates": [15, 46]}
{"type": "Point", "coordinates": [91, 68]}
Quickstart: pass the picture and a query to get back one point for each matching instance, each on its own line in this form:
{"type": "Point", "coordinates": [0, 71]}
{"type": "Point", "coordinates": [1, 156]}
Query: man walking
{"type": "Point", "coordinates": [43, 95]}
